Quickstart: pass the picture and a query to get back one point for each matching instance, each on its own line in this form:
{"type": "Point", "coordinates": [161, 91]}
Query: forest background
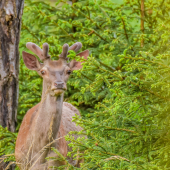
{"type": "Point", "coordinates": [123, 89]}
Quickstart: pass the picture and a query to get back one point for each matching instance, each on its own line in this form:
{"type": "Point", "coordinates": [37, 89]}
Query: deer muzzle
{"type": "Point", "coordinates": [58, 88]}
{"type": "Point", "coordinates": [59, 85]}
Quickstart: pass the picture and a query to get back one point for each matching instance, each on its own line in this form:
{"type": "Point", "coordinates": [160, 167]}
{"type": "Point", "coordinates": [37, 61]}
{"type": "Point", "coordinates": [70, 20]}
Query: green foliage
{"type": "Point", "coordinates": [60, 158]}
{"type": "Point", "coordinates": [122, 90]}
{"type": "Point", "coordinates": [7, 144]}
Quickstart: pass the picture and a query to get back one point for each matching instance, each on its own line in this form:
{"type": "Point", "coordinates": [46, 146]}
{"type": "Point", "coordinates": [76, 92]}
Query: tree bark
{"type": "Point", "coordinates": [10, 22]}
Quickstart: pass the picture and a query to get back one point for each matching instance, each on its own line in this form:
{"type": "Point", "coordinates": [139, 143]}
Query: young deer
{"type": "Point", "coordinates": [51, 118]}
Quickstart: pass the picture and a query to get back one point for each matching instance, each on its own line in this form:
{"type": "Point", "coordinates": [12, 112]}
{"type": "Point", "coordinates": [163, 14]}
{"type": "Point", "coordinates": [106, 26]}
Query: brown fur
{"type": "Point", "coordinates": [45, 125]}
{"type": "Point", "coordinates": [66, 126]}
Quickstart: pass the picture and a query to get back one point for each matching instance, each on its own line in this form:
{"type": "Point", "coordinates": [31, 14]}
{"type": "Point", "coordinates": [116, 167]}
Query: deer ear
{"type": "Point", "coordinates": [30, 61]}
{"type": "Point", "coordinates": [76, 65]}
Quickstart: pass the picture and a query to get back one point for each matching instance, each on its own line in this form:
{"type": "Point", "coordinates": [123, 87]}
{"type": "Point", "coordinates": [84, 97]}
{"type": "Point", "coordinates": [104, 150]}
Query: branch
{"type": "Point", "coordinates": [143, 59]}
{"type": "Point", "coordinates": [124, 27]}
{"type": "Point", "coordinates": [142, 21]}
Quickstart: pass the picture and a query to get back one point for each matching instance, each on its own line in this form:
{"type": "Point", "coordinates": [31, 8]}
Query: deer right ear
{"type": "Point", "coordinates": [76, 65]}
{"type": "Point", "coordinates": [30, 61]}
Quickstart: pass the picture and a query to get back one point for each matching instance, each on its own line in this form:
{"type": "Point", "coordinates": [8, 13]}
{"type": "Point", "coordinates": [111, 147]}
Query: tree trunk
{"type": "Point", "coordinates": [10, 23]}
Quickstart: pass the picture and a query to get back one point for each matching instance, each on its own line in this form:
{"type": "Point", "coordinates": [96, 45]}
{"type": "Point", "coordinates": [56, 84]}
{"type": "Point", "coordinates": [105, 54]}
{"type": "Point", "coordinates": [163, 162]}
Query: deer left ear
{"type": "Point", "coordinates": [76, 65]}
{"type": "Point", "coordinates": [30, 61]}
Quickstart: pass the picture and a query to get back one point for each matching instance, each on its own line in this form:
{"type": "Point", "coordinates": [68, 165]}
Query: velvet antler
{"type": "Point", "coordinates": [64, 53]}
{"type": "Point", "coordinates": [42, 54]}
{"type": "Point", "coordinates": [66, 48]}
{"type": "Point", "coordinates": [76, 46]}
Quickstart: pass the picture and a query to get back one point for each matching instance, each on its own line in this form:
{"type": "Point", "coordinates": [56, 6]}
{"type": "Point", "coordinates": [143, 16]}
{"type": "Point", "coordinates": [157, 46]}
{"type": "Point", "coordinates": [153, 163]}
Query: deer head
{"type": "Point", "coordinates": [55, 73]}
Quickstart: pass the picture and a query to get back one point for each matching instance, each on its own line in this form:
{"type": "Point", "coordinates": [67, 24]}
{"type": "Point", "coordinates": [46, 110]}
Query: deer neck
{"type": "Point", "coordinates": [50, 111]}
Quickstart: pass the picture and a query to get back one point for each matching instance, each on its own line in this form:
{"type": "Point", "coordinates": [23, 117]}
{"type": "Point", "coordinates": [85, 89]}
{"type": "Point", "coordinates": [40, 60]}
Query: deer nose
{"type": "Point", "coordinates": [59, 84]}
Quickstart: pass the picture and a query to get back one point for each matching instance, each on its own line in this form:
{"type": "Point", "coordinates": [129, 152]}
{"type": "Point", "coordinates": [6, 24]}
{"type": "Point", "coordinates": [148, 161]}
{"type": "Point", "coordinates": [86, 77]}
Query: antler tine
{"type": "Point", "coordinates": [45, 50]}
{"type": "Point", "coordinates": [42, 54]}
{"type": "Point", "coordinates": [76, 46]}
{"type": "Point", "coordinates": [64, 52]}
{"type": "Point", "coordinates": [79, 45]}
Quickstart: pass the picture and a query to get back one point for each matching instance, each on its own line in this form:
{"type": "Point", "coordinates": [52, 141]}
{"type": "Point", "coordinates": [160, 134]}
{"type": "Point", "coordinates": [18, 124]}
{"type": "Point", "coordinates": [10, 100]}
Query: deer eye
{"type": "Point", "coordinates": [42, 72]}
{"type": "Point", "coordinates": [68, 71]}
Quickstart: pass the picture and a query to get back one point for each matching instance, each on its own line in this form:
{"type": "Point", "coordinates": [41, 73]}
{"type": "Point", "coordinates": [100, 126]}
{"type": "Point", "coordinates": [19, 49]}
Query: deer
{"type": "Point", "coordinates": [51, 119]}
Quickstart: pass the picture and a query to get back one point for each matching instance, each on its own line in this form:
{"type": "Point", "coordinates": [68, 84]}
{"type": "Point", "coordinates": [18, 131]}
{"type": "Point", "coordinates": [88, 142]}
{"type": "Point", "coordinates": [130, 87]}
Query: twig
{"type": "Point", "coordinates": [124, 27]}
{"type": "Point", "coordinates": [120, 129]}
{"type": "Point", "coordinates": [143, 59]}
{"type": "Point", "coordinates": [142, 21]}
